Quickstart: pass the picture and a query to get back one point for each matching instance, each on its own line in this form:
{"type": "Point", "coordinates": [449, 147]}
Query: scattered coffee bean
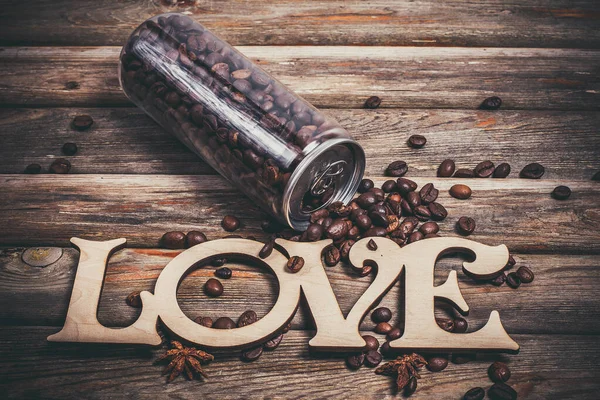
{"type": "Point", "coordinates": [460, 191]}
{"type": "Point", "coordinates": [218, 262]}
{"type": "Point", "coordinates": [417, 141]}
{"type": "Point", "coordinates": [428, 193]}
{"type": "Point", "coordinates": [460, 325]}
{"type": "Point", "coordinates": [389, 186]}
{"type": "Point", "coordinates": [267, 249]}
{"type": "Point", "coordinates": [60, 166]}
{"type": "Point", "coordinates": [372, 358]}
{"type": "Point", "coordinates": [252, 354]}
{"type": "Point", "coordinates": [429, 228]}
{"type": "Point", "coordinates": [313, 233]}
{"type": "Point", "coordinates": [248, 317]}
{"type": "Point", "coordinates": [332, 255]}
{"type": "Point", "coordinates": [464, 173]}
{"type": "Point", "coordinates": [295, 264]}
{"type": "Point", "coordinates": [82, 122]}
{"type": "Point", "coordinates": [405, 186]}
{"type": "Point", "coordinates": [499, 280]}
{"type": "Point", "coordinates": [224, 323]}
{"type": "Point", "coordinates": [499, 372]}
{"type": "Point", "coordinates": [477, 393]}
{"type": "Point", "coordinates": [381, 314]}
{"type": "Point", "coordinates": [410, 387]}
{"type": "Point", "coordinates": [501, 391]}
{"type": "Point", "coordinates": [193, 238]}
{"type": "Point", "coordinates": [272, 344]}
{"type": "Point", "coordinates": [415, 237]}
{"type": "Point", "coordinates": [532, 171]}
{"type": "Point", "coordinates": [491, 103]}
{"type": "Point", "coordinates": [446, 169]}
{"type": "Point", "coordinates": [383, 328]}
{"type": "Point", "coordinates": [501, 171]}
{"type": "Point", "coordinates": [394, 334]}
{"type": "Point", "coordinates": [69, 149]}
{"type": "Point", "coordinates": [484, 169]}
{"type": "Point", "coordinates": [337, 230]}
{"type": "Point", "coordinates": [438, 211]}
{"type": "Point", "coordinates": [445, 323]}
{"type": "Point", "coordinates": [397, 168]}
{"type": "Point", "coordinates": [213, 287]}
{"type": "Point", "coordinates": [204, 321]}
{"type": "Point", "coordinates": [371, 245]}
{"type": "Point", "coordinates": [230, 223]}
{"type": "Point", "coordinates": [365, 185]}
{"type": "Point", "coordinates": [525, 275]}
{"type": "Point", "coordinates": [223, 273]}
{"type": "Point", "coordinates": [173, 240]}
{"type": "Point", "coordinates": [372, 102]}
{"type": "Point", "coordinates": [561, 192]}
{"type": "Point", "coordinates": [371, 342]}
{"type": "Point", "coordinates": [510, 263]}
{"type": "Point", "coordinates": [437, 364]}
{"type": "Point", "coordinates": [386, 350]}
{"type": "Point", "coordinates": [513, 280]}
{"type": "Point", "coordinates": [465, 225]}
{"type": "Point", "coordinates": [33, 169]}
{"type": "Point", "coordinates": [134, 299]}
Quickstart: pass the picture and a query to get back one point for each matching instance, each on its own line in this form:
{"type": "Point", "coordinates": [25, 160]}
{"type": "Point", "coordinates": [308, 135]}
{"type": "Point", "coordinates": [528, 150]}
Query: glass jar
{"type": "Point", "coordinates": [283, 153]}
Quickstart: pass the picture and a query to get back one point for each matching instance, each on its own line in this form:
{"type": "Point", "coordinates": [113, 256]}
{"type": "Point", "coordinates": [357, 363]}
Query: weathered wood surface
{"type": "Point", "coordinates": [334, 76]}
{"type": "Point", "coordinates": [50, 209]}
{"type": "Point", "coordinates": [126, 141]}
{"type": "Point", "coordinates": [535, 308]}
{"type": "Point", "coordinates": [555, 23]}
{"type": "Point", "coordinates": [548, 367]}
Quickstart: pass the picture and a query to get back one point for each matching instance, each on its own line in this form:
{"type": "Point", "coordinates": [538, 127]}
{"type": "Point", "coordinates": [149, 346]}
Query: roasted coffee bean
{"type": "Point", "coordinates": [371, 245]}
{"type": "Point", "coordinates": [499, 280]}
{"type": "Point", "coordinates": [223, 273]}
{"type": "Point", "coordinates": [464, 173]}
{"type": "Point", "coordinates": [407, 226]}
{"type": "Point", "coordinates": [379, 218]}
{"type": "Point", "coordinates": [69, 149]}
{"type": "Point", "coordinates": [345, 249]}
{"type": "Point", "coordinates": [499, 372]}
{"type": "Point", "coordinates": [501, 171]}
{"type": "Point", "coordinates": [332, 255]}
{"type": "Point", "coordinates": [204, 321]}
{"type": "Point", "coordinates": [82, 122]}
{"type": "Point", "coordinates": [428, 193]}
{"type": "Point", "coordinates": [415, 237]}
{"type": "Point", "coordinates": [60, 166]}
{"type": "Point", "coordinates": [561, 192]}
{"type": "Point", "coordinates": [460, 191]}
{"type": "Point", "coordinates": [383, 328]}
{"type": "Point", "coordinates": [513, 280]}
{"type": "Point", "coordinates": [596, 176]}
{"type": "Point", "coordinates": [445, 323]}
{"type": "Point", "coordinates": [381, 314]}
{"type": "Point", "coordinates": [365, 185]}
{"type": "Point", "coordinates": [397, 168]}
{"type": "Point", "coordinates": [372, 342]}
{"type": "Point", "coordinates": [413, 199]}
{"type": "Point", "coordinates": [33, 169]}
{"type": "Point", "coordinates": [213, 287]}
{"type": "Point", "coordinates": [314, 232]}
{"type": "Point", "coordinates": [532, 171]}
{"type": "Point", "coordinates": [405, 185]}
{"type": "Point", "coordinates": [134, 299]}
{"type": "Point", "coordinates": [366, 200]}
{"type": "Point", "coordinates": [411, 387]}
{"type": "Point", "coordinates": [389, 186]}
{"type": "Point", "coordinates": [422, 213]}
{"type": "Point", "coordinates": [326, 223]}
{"type": "Point", "coordinates": [525, 275]}
{"type": "Point", "coordinates": [337, 230]}
{"type": "Point", "coordinates": [491, 103]}
{"type": "Point", "coordinates": [193, 238]}
{"type": "Point", "coordinates": [218, 262]}
{"type": "Point", "coordinates": [465, 225]}
{"type": "Point", "coordinates": [501, 391]}
{"type": "Point", "coordinates": [459, 358]}
{"type": "Point", "coordinates": [438, 211]}
{"type": "Point", "coordinates": [460, 325]}
{"type": "Point", "coordinates": [437, 364]}
{"type": "Point", "coordinates": [372, 359]}
{"type": "Point", "coordinates": [510, 263]}
{"type": "Point", "coordinates": [248, 317]}
{"type": "Point", "coordinates": [417, 141]}
{"type": "Point", "coordinates": [273, 343]}
{"type": "Point", "coordinates": [267, 249]}
{"type": "Point", "coordinates": [394, 334]}
{"type": "Point", "coordinates": [252, 354]}
{"type": "Point", "coordinates": [173, 240]}
{"type": "Point", "coordinates": [372, 102]}
{"type": "Point", "coordinates": [355, 361]}
{"type": "Point", "coordinates": [386, 350]}
{"type": "Point", "coordinates": [295, 264]}
{"type": "Point", "coordinates": [446, 168]}
{"type": "Point", "coordinates": [230, 223]}
{"type": "Point", "coordinates": [365, 270]}
{"type": "Point", "coordinates": [476, 393]}
{"type": "Point", "coordinates": [379, 194]}
{"type": "Point", "coordinates": [223, 323]}
{"type": "Point", "coordinates": [484, 169]}
{"type": "Point", "coordinates": [429, 228]}
{"type": "Point", "coordinates": [363, 222]}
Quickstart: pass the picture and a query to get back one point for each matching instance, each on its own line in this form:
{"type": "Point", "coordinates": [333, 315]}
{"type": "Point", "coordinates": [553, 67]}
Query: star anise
{"type": "Point", "coordinates": [404, 368]}
{"type": "Point", "coordinates": [184, 359]}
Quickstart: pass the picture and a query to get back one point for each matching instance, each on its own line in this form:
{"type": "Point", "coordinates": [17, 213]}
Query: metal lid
{"type": "Point", "coordinates": [338, 163]}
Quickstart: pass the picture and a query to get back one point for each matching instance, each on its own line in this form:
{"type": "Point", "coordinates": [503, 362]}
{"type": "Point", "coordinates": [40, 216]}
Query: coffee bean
{"type": "Point", "coordinates": [513, 280]}
{"type": "Point", "coordinates": [438, 212]}
{"type": "Point", "coordinates": [372, 102]}
{"type": "Point", "coordinates": [561, 192]}
{"type": "Point", "coordinates": [33, 169]}
{"type": "Point", "coordinates": [525, 274]}
{"type": "Point", "coordinates": [378, 193]}
{"type": "Point", "coordinates": [267, 249]}
{"type": "Point", "coordinates": [69, 149]}
{"type": "Point", "coordinates": [596, 176]}
{"type": "Point", "coordinates": [173, 240]}
{"type": "Point", "coordinates": [428, 193]}
{"type": "Point", "coordinates": [465, 225]}
{"type": "Point", "coordinates": [223, 273]}
{"type": "Point", "coordinates": [415, 237]}
{"type": "Point", "coordinates": [460, 325]}
{"type": "Point", "coordinates": [134, 299]}
{"type": "Point", "coordinates": [491, 103]}
{"type": "Point", "coordinates": [365, 185]}
{"type": "Point", "coordinates": [230, 223]}
{"type": "Point", "coordinates": [394, 334]}
{"type": "Point", "coordinates": [218, 262]}
{"type": "Point", "coordinates": [82, 122]}
{"type": "Point", "coordinates": [405, 185]}
{"type": "Point", "coordinates": [464, 173]}
{"type": "Point", "coordinates": [204, 321]}
{"type": "Point", "coordinates": [484, 169]}
{"type": "Point", "coordinates": [397, 168]}
{"type": "Point", "coordinates": [332, 255]}
{"type": "Point", "coordinates": [314, 232]}
{"type": "Point", "coordinates": [499, 372]}
{"type": "Point", "coordinates": [386, 350]}
{"type": "Point", "coordinates": [383, 328]}
{"type": "Point", "coordinates": [413, 199]}
{"type": "Point", "coordinates": [372, 359]}
{"type": "Point", "coordinates": [371, 245]}
{"type": "Point", "coordinates": [295, 264]}
{"type": "Point", "coordinates": [460, 191]}
{"type": "Point", "coordinates": [445, 323]}
{"type": "Point", "coordinates": [372, 342]}
{"type": "Point", "coordinates": [510, 263]}
{"type": "Point", "coordinates": [476, 393]}
{"type": "Point", "coordinates": [60, 166]}
{"type": "Point", "coordinates": [213, 288]}
{"type": "Point", "coordinates": [446, 168]}
{"type": "Point", "coordinates": [410, 387]}
{"type": "Point", "coordinates": [429, 227]}
{"type": "Point", "coordinates": [422, 213]}
{"type": "Point", "coordinates": [499, 280]}
{"type": "Point", "coordinates": [501, 391]}
{"type": "Point", "coordinates": [193, 238]}
{"type": "Point", "coordinates": [437, 364]}
{"type": "Point", "coordinates": [273, 343]}
{"type": "Point", "coordinates": [337, 230]}
{"type": "Point", "coordinates": [248, 317]}
{"type": "Point", "coordinates": [224, 323]}
{"type": "Point", "coordinates": [417, 141]}
{"type": "Point", "coordinates": [252, 354]}
{"type": "Point", "coordinates": [363, 222]}
{"type": "Point", "coordinates": [389, 186]}
{"type": "Point", "coordinates": [355, 361]}
{"type": "Point", "coordinates": [532, 171]}
{"type": "Point", "coordinates": [381, 314]}
{"type": "Point", "coordinates": [379, 218]}
{"type": "Point", "coordinates": [501, 171]}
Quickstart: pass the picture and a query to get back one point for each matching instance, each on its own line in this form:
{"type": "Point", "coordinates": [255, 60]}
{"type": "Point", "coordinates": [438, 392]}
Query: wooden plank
{"type": "Point", "coordinates": [39, 210]}
{"type": "Point", "coordinates": [125, 141]}
{"type": "Point", "coordinates": [556, 23]}
{"type": "Point", "coordinates": [339, 77]}
{"type": "Point", "coordinates": [548, 367]}
{"type": "Point", "coordinates": [564, 290]}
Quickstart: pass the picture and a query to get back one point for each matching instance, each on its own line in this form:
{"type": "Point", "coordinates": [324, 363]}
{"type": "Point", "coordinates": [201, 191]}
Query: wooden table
{"type": "Point", "coordinates": [431, 62]}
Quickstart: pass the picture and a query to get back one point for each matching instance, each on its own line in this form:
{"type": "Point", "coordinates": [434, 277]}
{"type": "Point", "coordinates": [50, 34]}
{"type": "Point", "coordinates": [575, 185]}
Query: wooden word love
{"type": "Point", "coordinates": [334, 332]}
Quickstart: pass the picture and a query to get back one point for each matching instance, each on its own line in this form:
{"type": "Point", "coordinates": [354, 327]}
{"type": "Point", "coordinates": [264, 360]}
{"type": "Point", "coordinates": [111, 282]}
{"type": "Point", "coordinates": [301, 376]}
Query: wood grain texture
{"type": "Point", "coordinates": [555, 23]}
{"type": "Point", "coordinates": [561, 300]}
{"type": "Point", "coordinates": [338, 77]}
{"type": "Point", "coordinates": [126, 141]}
{"type": "Point", "coordinates": [548, 367]}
